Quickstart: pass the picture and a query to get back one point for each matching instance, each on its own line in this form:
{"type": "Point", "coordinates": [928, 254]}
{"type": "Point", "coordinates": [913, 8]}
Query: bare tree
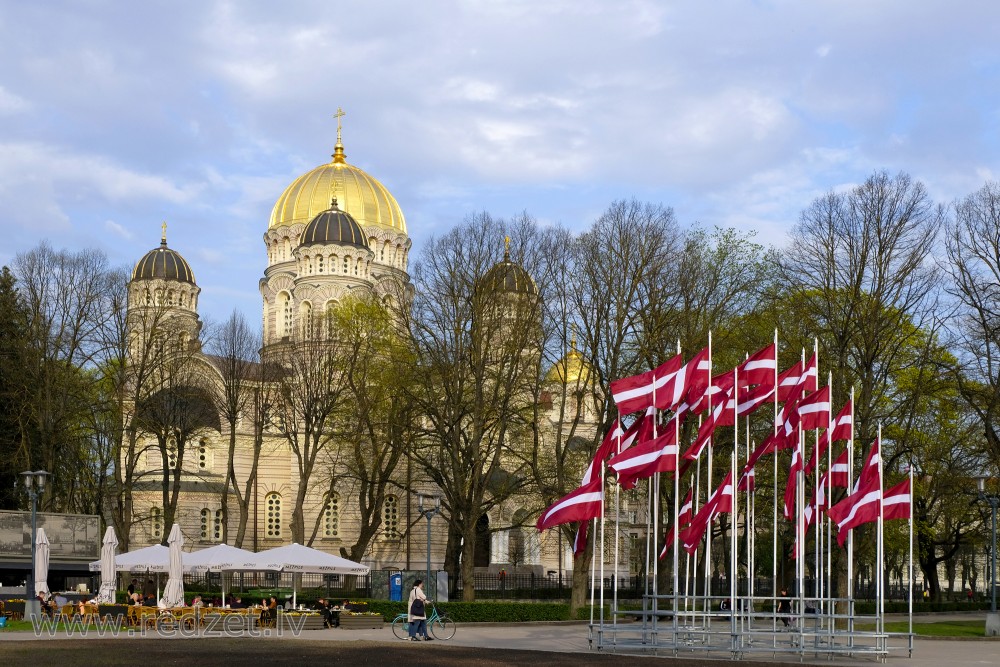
{"type": "Point", "coordinates": [376, 423]}
{"type": "Point", "coordinates": [859, 264]}
{"type": "Point", "coordinates": [64, 294]}
{"type": "Point", "coordinates": [312, 386]}
{"type": "Point", "coordinates": [973, 249]}
{"type": "Point", "coordinates": [234, 350]}
{"type": "Point", "coordinates": [475, 327]}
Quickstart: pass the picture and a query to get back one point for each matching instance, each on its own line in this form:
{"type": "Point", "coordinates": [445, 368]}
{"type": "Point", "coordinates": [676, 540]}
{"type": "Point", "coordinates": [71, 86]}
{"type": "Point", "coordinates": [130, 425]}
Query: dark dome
{"type": "Point", "coordinates": [334, 226]}
{"type": "Point", "coordinates": [508, 277]}
{"type": "Point", "coordinates": [164, 264]}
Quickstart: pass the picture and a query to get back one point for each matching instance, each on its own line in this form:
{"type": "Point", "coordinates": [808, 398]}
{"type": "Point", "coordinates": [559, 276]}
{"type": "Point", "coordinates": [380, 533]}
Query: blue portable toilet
{"type": "Point", "coordinates": [396, 586]}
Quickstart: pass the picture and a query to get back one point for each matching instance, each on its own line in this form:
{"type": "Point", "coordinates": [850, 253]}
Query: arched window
{"type": "Point", "coordinates": [217, 526]}
{"type": "Point", "coordinates": [171, 454]}
{"type": "Point", "coordinates": [284, 314]}
{"type": "Point", "coordinates": [381, 257]}
{"type": "Point", "coordinates": [357, 267]}
{"type": "Point", "coordinates": [306, 319]}
{"type": "Point", "coordinates": [390, 517]}
{"type": "Point", "coordinates": [331, 516]}
{"type": "Point", "coordinates": [206, 517]}
{"type": "Point", "coordinates": [333, 263]}
{"type": "Point", "coordinates": [203, 460]}
{"type": "Point", "coordinates": [156, 523]}
{"type": "Point", "coordinates": [346, 266]}
{"type": "Point", "coordinates": [272, 510]}
{"type": "Point", "coordinates": [319, 264]}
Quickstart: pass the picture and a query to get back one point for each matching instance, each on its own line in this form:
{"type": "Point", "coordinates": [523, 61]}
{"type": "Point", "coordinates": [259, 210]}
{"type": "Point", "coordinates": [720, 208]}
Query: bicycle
{"type": "Point", "coordinates": [438, 624]}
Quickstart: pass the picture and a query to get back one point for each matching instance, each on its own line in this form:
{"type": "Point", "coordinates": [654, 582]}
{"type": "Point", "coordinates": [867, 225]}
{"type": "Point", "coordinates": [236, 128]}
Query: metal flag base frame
{"type": "Point", "coordinates": [749, 632]}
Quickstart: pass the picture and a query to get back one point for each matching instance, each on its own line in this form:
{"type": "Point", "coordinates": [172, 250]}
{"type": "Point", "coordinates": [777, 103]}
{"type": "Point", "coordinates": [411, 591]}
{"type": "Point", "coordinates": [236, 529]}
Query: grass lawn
{"type": "Point", "coordinates": [942, 629]}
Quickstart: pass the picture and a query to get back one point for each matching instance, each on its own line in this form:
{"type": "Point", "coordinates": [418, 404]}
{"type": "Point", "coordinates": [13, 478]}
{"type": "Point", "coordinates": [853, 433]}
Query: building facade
{"type": "Point", "coordinates": [334, 232]}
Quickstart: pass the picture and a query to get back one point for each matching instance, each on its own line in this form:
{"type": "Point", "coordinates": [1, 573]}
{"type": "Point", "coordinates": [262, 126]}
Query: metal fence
{"type": "Point", "coordinates": [529, 586]}
{"type": "Point", "coordinates": [281, 583]}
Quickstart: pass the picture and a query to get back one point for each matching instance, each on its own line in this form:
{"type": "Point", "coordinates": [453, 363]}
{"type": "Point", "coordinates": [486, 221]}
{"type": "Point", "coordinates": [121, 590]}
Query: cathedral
{"type": "Point", "coordinates": [335, 231]}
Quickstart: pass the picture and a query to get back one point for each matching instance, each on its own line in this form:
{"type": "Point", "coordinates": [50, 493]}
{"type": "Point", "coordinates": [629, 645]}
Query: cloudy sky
{"type": "Point", "coordinates": [115, 116]}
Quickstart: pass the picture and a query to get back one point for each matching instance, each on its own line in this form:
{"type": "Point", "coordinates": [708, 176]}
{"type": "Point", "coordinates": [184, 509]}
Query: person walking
{"type": "Point", "coordinates": [416, 616]}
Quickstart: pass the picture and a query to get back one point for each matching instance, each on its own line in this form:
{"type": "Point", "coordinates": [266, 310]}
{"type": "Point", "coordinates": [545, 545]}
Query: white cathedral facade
{"type": "Point", "coordinates": [334, 231]}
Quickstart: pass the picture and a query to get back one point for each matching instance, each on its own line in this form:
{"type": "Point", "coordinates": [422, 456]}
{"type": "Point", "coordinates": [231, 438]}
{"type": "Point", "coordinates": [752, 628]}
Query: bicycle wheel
{"type": "Point", "coordinates": [400, 627]}
{"type": "Point", "coordinates": [443, 628]}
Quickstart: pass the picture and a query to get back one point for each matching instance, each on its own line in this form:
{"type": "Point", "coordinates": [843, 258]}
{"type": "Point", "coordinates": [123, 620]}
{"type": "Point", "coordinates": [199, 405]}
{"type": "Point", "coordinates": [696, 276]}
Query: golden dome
{"type": "Point", "coordinates": [357, 192]}
{"type": "Point", "coordinates": [571, 369]}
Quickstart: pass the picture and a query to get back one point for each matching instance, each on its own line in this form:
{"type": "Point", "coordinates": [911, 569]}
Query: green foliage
{"type": "Point", "coordinates": [489, 612]}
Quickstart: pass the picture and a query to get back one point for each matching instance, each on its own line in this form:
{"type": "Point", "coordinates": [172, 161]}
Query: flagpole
{"type": "Point", "coordinates": [880, 546]}
{"type": "Point", "coordinates": [653, 545]}
{"type": "Point", "coordinates": [910, 527]}
{"type": "Point", "coordinates": [735, 513]}
{"type": "Point", "coordinates": [708, 543]}
{"type": "Point", "coordinates": [677, 494]}
{"type": "Point", "coordinates": [827, 491]}
{"type": "Point", "coordinates": [850, 534]}
{"type": "Point", "coordinates": [800, 513]}
{"type": "Point", "coordinates": [774, 526]}
{"type": "Point", "coordinates": [593, 570]}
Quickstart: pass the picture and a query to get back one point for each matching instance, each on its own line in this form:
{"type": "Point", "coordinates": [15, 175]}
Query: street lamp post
{"type": "Point", "coordinates": [34, 484]}
{"type": "Point", "coordinates": [429, 512]}
{"type": "Point", "coordinates": [992, 619]}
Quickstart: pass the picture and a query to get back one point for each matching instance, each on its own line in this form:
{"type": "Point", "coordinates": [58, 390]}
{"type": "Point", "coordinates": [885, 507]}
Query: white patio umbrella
{"type": "Point", "coordinates": [297, 558]}
{"type": "Point", "coordinates": [216, 559]}
{"type": "Point", "coordinates": [155, 558]}
{"type": "Point", "coordinates": [107, 593]}
{"type": "Point", "coordinates": [173, 594]}
{"type": "Point", "coordinates": [41, 563]}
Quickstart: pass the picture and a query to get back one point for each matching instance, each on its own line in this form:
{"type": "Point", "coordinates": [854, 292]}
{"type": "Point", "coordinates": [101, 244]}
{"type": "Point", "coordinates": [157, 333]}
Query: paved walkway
{"type": "Point", "coordinates": [573, 638]}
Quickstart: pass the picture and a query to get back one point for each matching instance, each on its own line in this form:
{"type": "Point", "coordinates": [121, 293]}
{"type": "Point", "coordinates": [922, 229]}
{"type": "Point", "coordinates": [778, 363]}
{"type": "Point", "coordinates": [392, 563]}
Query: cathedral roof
{"type": "Point", "coordinates": [164, 264]}
{"type": "Point", "coordinates": [334, 226]}
{"type": "Point", "coordinates": [508, 276]}
{"type": "Point", "coordinates": [571, 369]}
{"type": "Point", "coordinates": [359, 193]}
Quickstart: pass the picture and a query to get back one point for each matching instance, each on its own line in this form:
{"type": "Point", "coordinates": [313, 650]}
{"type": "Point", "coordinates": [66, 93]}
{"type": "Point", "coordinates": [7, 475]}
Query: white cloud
{"type": "Point", "coordinates": [11, 103]}
{"type": "Point", "coordinates": [115, 228]}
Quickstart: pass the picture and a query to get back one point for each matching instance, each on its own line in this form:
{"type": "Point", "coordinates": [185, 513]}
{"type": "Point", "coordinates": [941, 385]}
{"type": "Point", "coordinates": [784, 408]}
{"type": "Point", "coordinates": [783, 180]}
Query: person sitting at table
{"type": "Point", "coordinates": [196, 602]}
{"type": "Point", "coordinates": [323, 607]}
{"type": "Point", "coordinates": [237, 603]}
{"type": "Point", "coordinates": [267, 615]}
{"type": "Point", "coordinates": [46, 605]}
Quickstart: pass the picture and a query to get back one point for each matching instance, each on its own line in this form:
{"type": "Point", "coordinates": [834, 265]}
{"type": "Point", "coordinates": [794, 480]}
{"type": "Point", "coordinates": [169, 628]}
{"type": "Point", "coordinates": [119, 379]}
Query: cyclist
{"type": "Point", "coordinates": [417, 612]}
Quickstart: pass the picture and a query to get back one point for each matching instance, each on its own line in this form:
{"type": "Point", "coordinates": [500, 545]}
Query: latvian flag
{"type": "Point", "coordinates": [583, 504]}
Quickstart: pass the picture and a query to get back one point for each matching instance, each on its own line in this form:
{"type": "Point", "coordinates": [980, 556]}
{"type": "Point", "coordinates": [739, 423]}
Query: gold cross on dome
{"type": "Point", "coordinates": [340, 114]}
{"type": "Point", "coordinates": [164, 227]}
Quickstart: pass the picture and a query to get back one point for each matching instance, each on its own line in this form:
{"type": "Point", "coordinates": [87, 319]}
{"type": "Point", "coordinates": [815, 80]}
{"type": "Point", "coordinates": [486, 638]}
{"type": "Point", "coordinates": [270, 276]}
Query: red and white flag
{"type": "Point", "coordinates": [647, 458]}
{"type": "Point", "coordinates": [683, 520]}
{"type": "Point", "coordinates": [793, 382]}
{"type": "Point", "coordinates": [608, 447]}
{"type": "Point", "coordinates": [638, 392]}
{"type": "Point", "coordinates": [838, 472]}
{"type": "Point", "coordinates": [720, 386]}
{"type": "Point", "coordinates": [582, 504]}
{"type": "Point", "coordinates": [676, 387]}
{"type": "Point", "coordinates": [840, 429]}
{"type": "Point", "coordinates": [814, 410]}
{"type": "Point", "coordinates": [793, 482]}
{"type": "Point", "coordinates": [871, 468]}
{"type": "Point", "coordinates": [860, 507]}
{"type": "Point", "coordinates": [580, 541]}
{"type": "Point", "coordinates": [760, 367]}
{"type": "Point", "coordinates": [897, 501]}
{"type": "Point", "coordinates": [720, 501]}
